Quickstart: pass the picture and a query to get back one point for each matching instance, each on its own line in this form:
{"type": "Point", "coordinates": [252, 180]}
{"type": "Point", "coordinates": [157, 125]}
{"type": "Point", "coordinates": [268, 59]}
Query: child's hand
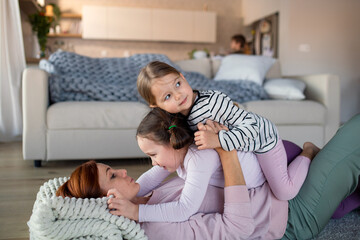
{"type": "Point", "coordinates": [206, 137]}
{"type": "Point", "coordinates": [212, 126]}
{"type": "Point", "coordinates": [121, 206]}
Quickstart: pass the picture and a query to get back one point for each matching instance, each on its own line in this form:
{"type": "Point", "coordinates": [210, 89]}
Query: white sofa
{"type": "Point", "coordinates": [106, 130]}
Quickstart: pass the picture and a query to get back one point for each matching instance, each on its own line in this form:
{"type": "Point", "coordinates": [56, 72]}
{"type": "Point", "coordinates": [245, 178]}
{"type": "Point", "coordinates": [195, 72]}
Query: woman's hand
{"type": "Point", "coordinates": [121, 206]}
{"type": "Point", "coordinates": [232, 170]}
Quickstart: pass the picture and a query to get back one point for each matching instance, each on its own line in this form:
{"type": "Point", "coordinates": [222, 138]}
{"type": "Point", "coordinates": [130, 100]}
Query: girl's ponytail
{"type": "Point", "coordinates": [180, 133]}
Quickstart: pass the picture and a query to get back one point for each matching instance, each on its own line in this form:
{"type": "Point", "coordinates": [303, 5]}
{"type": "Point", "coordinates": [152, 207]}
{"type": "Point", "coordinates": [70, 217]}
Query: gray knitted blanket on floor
{"type": "Point", "coordinates": [73, 77]}
{"type": "Point", "coordinates": [74, 218]}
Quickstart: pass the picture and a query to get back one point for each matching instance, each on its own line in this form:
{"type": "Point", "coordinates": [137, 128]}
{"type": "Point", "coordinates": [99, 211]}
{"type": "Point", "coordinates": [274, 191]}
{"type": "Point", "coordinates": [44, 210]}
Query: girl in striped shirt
{"type": "Point", "coordinates": [161, 85]}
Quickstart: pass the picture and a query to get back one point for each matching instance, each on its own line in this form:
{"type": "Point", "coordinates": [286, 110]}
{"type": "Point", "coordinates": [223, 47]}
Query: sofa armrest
{"type": "Point", "coordinates": [35, 101]}
{"type": "Point", "coordinates": [325, 88]}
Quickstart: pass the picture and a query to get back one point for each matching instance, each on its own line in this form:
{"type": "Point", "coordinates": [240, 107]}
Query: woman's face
{"type": "Point", "coordinates": [161, 155]}
{"type": "Point", "coordinates": [117, 178]}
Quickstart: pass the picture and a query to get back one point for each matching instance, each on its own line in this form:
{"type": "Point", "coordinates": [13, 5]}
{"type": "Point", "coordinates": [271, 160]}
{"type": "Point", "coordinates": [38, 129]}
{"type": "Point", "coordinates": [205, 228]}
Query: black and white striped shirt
{"type": "Point", "coordinates": [247, 131]}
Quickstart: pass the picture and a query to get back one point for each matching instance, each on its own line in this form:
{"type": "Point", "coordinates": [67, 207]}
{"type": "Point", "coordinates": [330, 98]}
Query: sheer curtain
{"type": "Point", "coordinates": [12, 63]}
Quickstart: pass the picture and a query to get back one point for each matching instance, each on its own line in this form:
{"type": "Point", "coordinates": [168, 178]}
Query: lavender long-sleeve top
{"type": "Point", "coordinates": [200, 169]}
{"type": "Point", "coordinates": [247, 214]}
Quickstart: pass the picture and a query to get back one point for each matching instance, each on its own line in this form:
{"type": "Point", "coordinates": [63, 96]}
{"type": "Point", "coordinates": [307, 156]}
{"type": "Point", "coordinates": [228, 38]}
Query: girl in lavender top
{"type": "Point", "coordinates": [167, 140]}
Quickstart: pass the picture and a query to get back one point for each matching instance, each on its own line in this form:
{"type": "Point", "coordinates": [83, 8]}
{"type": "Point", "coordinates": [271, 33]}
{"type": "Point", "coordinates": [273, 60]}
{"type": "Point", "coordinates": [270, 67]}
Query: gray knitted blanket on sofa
{"type": "Point", "coordinates": [74, 77]}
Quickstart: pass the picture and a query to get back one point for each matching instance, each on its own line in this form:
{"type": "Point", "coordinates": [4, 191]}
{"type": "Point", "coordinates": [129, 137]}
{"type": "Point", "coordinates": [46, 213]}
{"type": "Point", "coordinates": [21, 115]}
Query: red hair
{"type": "Point", "coordinates": [83, 183]}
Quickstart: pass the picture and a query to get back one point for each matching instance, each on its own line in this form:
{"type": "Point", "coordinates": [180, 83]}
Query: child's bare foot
{"type": "Point", "coordinates": [310, 150]}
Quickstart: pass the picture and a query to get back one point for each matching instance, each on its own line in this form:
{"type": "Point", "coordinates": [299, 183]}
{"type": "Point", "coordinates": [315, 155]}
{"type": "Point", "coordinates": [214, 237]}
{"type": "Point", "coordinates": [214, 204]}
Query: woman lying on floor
{"type": "Point", "coordinates": [248, 214]}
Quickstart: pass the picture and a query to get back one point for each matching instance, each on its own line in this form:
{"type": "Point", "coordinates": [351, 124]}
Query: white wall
{"type": "Point", "coordinates": [253, 10]}
{"type": "Point", "coordinates": [330, 29]}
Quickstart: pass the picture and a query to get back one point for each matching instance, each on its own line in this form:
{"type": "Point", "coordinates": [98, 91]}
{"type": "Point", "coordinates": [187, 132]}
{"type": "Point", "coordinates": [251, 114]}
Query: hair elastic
{"type": "Point", "coordinates": [172, 126]}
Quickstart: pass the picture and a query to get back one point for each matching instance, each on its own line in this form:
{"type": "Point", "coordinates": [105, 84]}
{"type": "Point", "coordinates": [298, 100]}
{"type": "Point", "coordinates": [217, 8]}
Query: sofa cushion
{"type": "Point", "coordinates": [96, 115]}
{"type": "Point", "coordinates": [274, 71]}
{"type": "Point", "coordinates": [216, 62]}
{"type": "Point", "coordinates": [202, 66]}
{"type": "Point", "coordinates": [289, 112]}
{"type": "Point", "coordinates": [285, 88]}
{"type": "Point", "coordinates": [244, 67]}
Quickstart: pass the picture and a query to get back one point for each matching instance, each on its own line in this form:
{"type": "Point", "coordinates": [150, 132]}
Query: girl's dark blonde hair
{"type": "Point", "coordinates": [155, 69]}
{"type": "Point", "coordinates": [165, 128]}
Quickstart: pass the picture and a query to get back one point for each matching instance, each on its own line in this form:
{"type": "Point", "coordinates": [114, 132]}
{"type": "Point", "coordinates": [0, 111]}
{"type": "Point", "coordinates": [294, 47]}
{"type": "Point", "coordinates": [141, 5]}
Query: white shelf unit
{"type": "Point", "coordinates": [147, 24]}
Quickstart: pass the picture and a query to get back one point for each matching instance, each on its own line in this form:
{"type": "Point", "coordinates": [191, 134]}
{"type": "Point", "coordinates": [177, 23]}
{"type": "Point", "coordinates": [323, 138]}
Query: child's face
{"type": "Point", "coordinates": [172, 94]}
{"type": "Point", "coordinates": [161, 155]}
{"type": "Point", "coordinates": [235, 46]}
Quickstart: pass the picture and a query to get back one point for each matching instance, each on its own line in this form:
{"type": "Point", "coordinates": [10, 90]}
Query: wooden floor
{"type": "Point", "coordinates": [20, 181]}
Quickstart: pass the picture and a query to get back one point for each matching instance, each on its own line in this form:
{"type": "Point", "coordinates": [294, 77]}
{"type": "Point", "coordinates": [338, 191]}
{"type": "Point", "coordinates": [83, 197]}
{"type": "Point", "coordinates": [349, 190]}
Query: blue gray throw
{"type": "Point", "coordinates": [73, 77]}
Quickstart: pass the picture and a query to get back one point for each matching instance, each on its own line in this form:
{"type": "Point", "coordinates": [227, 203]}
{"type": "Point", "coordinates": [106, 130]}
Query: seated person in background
{"type": "Point", "coordinates": [238, 44]}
